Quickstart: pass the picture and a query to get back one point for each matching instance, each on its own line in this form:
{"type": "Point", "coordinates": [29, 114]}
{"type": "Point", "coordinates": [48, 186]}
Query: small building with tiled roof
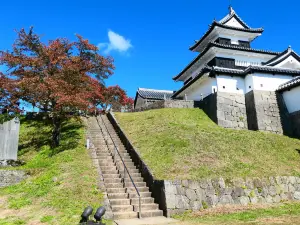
{"type": "Point", "coordinates": [145, 96]}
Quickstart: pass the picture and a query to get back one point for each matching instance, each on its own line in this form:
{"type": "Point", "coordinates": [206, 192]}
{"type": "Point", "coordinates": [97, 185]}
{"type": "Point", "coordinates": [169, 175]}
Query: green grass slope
{"type": "Point", "coordinates": [186, 144]}
{"type": "Point", "coordinates": [62, 181]}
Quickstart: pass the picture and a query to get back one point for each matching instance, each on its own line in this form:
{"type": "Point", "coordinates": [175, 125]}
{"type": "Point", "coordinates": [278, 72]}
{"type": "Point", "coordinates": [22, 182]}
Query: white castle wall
{"type": "Point", "coordinates": [292, 99]}
{"type": "Point", "coordinates": [268, 82]}
{"type": "Point", "coordinates": [230, 84]}
{"type": "Point", "coordinates": [206, 88]}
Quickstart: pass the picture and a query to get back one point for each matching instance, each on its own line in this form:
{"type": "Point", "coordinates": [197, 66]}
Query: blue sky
{"type": "Point", "coordinates": [149, 40]}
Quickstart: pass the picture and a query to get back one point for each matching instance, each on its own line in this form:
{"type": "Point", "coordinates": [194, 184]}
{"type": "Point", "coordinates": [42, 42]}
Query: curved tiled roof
{"type": "Point", "coordinates": [269, 69]}
{"type": "Point", "coordinates": [232, 14]}
{"type": "Point", "coordinates": [282, 56]}
{"type": "Point", "coordinates": [290, 84]}
{"type": "Point", "coordinates": [234, 47]}
{"type": "Point", "coordinates": [154, 94]}
{"type": "Point", "coordinates": [239, 72]}
{"type": "Point", "coordinates": [218, 24]}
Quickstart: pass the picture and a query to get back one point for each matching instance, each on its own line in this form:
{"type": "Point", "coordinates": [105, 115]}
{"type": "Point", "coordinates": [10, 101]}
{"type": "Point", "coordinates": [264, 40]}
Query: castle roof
{"type": "Point", "coordinates": [213, 71]}
{"type": "Point", "coordinates": [282, 56]}
{"type": "Point", "coordinates": [218, 45]}
{"type": "Point", "coordinates": [290, 84]}
{"type": "Point", "coordinates": [222, 23]}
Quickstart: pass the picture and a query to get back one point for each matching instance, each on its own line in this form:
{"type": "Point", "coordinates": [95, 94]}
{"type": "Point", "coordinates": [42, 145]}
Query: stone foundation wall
{"type": "Point", "coordinates": [295, 119]}
{"type": "Point", "coordinates": [11, 177]}
{"type": "Point", "coordinates": [264, 111]}
{"type": "Point", "coordinates": [169, 104]}
{"type": "Point", "coordinates": [209, 106]}
{"type": "Point", "coordinates": [194, 195]}
{"type": "Point", "coordinates": [231, 110]}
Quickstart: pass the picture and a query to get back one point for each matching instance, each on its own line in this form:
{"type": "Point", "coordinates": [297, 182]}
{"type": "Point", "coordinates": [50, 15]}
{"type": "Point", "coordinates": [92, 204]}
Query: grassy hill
{"type": "Point", "coordinates": [186, 144]}
{"type": "Point", "coordinates": [62, 181]}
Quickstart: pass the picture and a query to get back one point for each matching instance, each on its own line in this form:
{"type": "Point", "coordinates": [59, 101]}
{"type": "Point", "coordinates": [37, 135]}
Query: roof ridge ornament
{"type": "Point", "coordinates": [231, 10]}
{"type": "Point", "coordinates": [290, 48]}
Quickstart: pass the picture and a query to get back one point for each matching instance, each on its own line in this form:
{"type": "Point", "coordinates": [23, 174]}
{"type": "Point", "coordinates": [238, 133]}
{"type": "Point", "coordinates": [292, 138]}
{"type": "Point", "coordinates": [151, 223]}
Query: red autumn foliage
{"type": "Point", "coordinates": [57, 77]}
{"type": "Point", "coordinates": [9, 103]}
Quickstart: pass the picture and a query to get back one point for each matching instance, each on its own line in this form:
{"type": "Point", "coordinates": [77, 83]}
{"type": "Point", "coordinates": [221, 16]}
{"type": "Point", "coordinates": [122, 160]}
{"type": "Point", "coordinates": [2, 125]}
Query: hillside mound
{"type": "Point", "coordinates": [186, 144]}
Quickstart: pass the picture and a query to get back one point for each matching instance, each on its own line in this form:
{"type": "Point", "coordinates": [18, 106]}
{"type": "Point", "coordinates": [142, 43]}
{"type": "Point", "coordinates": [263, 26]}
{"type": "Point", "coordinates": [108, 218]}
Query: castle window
{"type": "Point", "coordinates": [261, 85]}
{"type": "Point", "coordinates": [223, 87]}
{"type": "Point", "coordinates": [250, 86]}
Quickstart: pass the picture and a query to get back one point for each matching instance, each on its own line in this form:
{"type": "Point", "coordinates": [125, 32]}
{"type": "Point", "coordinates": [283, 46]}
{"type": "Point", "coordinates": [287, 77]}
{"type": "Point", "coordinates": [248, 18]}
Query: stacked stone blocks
{"type": "Point", "coordinates": [231, 110]}
{"type": "Point", "coordinates": [167, 104]}
{"type": "Point", "coordinates": [194, 195]}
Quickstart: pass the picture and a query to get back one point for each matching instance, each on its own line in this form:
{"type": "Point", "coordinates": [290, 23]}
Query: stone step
{"type": "Point", "coordinates": [110, 172]}
{"type": "Point", "coordinates": [133, 175]}
{"type": "Point", "coordinates": [123, 201]}
{"type": "Point", "coordinates": [128, 165]}
{"type": "Point", "coordinates": [106, 163]}
{"type": "Point", "coordinates": [114, 185]}
{"type": "Point", "coordinates": [111, 175]}
{"type": "Point", "coordinates": [151, 206]}
{"type": "Point", "coordinates": [131, 170]}
{"type": "Point", "coordinates": [119, 179]}
{"type": "Point", "coordinates": [140, 189]}
{"type": "Point", "coordinates": [152, 213]}
{"type": "Point", "coordinates": [135, 179]}
{"type": "Point", "coordinates": [122, 208]}
{"type": "Point", "coordinates": [125, 215]}
{"type": "Point", "coordinates": [144, 200]}
{"type": "Point", "coordinates": [137, 184]}
{"type": "Point", "coordinates": [117, 195]}
{"type": "Point", "coordinates": [143, 194]}
{"type": "Point", "coordinates": [111, 167]}
{"type": "Point", "coordinates": [115, 190]}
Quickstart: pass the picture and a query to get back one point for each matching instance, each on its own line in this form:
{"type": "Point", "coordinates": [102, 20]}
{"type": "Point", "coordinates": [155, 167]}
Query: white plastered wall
{"type": "Point", "coordinates": [203, 88]}
{"type": "Point", "coordinates": [268, 82]}
{"type": "Point", "coordinates": [234, 23]}
{"type": "Point", "coordinates": [292, 99]}
{"type": "Point", "coordinates": [231, 84]}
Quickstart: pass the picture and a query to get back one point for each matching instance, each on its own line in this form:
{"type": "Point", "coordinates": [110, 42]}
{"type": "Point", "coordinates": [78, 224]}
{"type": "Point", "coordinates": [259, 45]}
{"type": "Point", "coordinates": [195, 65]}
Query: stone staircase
{"type": "Point", "coordinates": [122, 195]}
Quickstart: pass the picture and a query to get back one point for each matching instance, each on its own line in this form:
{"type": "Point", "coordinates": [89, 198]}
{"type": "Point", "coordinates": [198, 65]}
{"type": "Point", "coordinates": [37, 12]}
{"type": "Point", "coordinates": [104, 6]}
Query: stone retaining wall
{"type": "Point", "coordinates": [263, 111]}
{"type": "Point", "coordinates": [194, 195]}
{"type": "Point", "coordinates": [231, 110]}
{"type": "Point", "coordinates": [226, 109]}
{"type": "Point", "coordinates": [11, 177]}
{"type": "Point", "coordinates": [169, 104]}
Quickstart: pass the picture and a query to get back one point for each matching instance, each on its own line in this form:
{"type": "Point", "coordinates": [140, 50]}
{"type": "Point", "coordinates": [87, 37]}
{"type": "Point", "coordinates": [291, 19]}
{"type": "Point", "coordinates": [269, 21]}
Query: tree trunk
{"type": "Point", "coordinates": [56, 131]}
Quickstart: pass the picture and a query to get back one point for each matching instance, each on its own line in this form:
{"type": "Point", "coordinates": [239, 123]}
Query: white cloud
{"type": "Point", "coordinates": [116, 43]}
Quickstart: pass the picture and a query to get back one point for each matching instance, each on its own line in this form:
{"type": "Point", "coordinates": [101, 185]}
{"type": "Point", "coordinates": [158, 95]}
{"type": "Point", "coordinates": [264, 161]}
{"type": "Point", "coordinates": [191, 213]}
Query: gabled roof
{"type": "Point", "coordinates": [282, 56]}
{"type": "Point", "coordinates": [154, 94]}
{"type": "Point", "coordinates": [221, 23]}
{"type": "Point", "coordinates": [232, 14]}
{"type": "Point", "coordinates": [213, 71]}
{"type": "Point", "coordinates": [290, 84]}
{"type": "Point", "coordinates": [233, 47]}
{"type": "Point", "coordinates": [218, 24]}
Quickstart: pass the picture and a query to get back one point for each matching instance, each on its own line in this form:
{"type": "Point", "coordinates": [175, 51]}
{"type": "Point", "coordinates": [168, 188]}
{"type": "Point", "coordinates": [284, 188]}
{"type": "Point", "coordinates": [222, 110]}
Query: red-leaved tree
{"type": "Point", "coordinates": [9, 103]}
{"type": "Point", "coordinates": [55, 77]}
{"type": "Point", "coordinates": [115, 97]}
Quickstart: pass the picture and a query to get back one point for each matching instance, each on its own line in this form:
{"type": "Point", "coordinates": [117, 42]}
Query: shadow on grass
{"type": "Point", "coordinates": [37, 133]}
